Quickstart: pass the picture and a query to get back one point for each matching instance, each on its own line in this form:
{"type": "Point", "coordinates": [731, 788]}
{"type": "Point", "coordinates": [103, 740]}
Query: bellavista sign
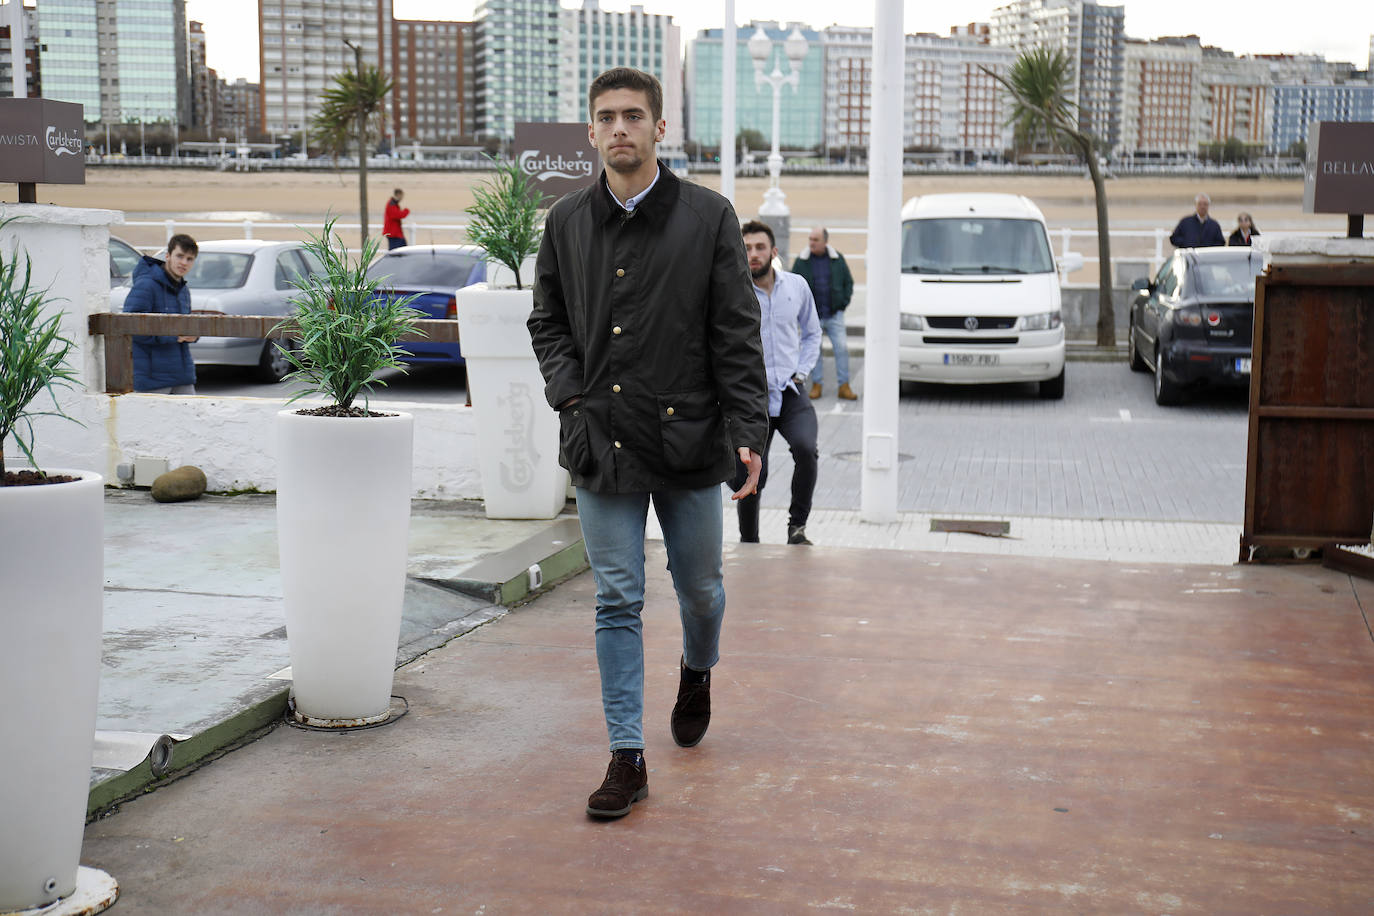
{"type": "Point", "coordinates": [558, 158]}
{"type": "Point", "coordinates": [42, 142]}
{"type": "Point", "coordinates": [1340, 168]}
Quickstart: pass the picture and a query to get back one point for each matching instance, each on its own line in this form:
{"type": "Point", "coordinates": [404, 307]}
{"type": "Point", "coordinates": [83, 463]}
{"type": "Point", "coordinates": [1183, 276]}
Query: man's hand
{"type": "Point", "coordinates": [754, 462]}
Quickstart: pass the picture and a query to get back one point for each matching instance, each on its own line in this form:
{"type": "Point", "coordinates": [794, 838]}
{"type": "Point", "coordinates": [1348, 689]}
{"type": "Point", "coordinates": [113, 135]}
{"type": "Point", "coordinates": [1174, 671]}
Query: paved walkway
{"type": "Point", "coordinates": [895, 732]}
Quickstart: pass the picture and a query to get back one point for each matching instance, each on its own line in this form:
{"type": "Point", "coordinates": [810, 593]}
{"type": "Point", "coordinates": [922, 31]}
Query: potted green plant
{"type": "Point", "coordinates": [50, 613]}
{"type": "Point", "coordinates": [343, 493]}
{"type": "Point", "coordinates": [517, 435]}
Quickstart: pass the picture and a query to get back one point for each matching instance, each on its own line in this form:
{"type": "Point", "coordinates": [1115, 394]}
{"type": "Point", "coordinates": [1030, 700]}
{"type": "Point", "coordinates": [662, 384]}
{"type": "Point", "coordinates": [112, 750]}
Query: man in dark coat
{"type": "Point", "coordinates": [162, 362]}
{"type": "Point", "coordinates": [646, 329]}
{"type": "Point", "coordinates": [1198, 230]}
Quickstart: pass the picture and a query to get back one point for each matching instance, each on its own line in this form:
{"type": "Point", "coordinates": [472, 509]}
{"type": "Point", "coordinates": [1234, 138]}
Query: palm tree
{"type": "Point", "coordinates": [351, 111]}
{"type": "Point", "coordinates": [1042, 113]}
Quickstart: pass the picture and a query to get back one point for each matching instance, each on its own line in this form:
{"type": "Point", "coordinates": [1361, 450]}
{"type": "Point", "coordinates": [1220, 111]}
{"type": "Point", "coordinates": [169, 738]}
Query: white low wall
{"type": "Point", "coordinates": [231, 439]}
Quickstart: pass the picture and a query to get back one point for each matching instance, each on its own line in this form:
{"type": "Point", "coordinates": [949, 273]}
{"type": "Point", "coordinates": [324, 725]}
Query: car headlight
{"type": "Point", "coordinates": [912, 322]}
{"type": "Point", "coordinates": [1044, 321]}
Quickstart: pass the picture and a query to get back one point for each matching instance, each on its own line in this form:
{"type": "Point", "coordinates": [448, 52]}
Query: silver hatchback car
{"type": "Point", "coordinates": [243, 277]}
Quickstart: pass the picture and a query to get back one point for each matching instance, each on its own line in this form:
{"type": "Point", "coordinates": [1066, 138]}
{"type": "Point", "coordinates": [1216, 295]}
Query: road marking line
{"type": "Point", "coordinates": [1125, 414]}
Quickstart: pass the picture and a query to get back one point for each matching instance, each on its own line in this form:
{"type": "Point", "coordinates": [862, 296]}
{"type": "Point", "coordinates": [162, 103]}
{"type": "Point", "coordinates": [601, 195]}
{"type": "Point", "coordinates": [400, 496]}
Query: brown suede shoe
{"type": "Point", "coordinates": [625, 784]}
{"type": "Point", "coordinates": [692, 712]}
{"type": "Point", "coordinates": [846, 393]}
{"type": "Point", "coordinates": [815, 390]}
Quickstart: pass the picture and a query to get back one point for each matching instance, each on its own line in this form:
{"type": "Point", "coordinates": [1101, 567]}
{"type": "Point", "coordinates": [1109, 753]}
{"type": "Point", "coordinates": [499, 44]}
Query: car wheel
{"type": "Point", "coordinates": [273, 366]}
{"type": "Point", "coordinates": [1052, 389]}
{"type": "Point", "coordinates": [1166, 392]}
{"type": "Point", "coordinates": [1133, 352]}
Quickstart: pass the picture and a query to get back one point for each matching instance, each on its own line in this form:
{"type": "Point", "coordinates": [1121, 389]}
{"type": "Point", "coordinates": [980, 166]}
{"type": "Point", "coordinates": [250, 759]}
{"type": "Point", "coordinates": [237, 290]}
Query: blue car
{"type": "Point", "coordinates": [433, 273]}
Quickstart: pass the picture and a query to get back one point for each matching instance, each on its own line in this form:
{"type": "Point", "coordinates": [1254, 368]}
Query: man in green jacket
{"type": "Point", "coordinates": [832, 285]}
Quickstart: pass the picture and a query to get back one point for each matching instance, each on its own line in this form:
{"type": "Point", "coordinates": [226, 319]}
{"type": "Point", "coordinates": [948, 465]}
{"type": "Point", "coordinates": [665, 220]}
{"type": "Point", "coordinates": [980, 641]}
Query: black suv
{"type": "Point", "coordinates": [1192, 324]}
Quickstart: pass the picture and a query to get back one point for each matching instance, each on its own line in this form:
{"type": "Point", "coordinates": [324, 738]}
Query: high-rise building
{"type": "Point", "coordinates": [302, 48]}
{"type": "Point", "coordinates": [432, 73]}
{"type": "Point", "coordinates": [16, 18]}
{"type": "Point", "coordinates": [517, 64]}
{"type": "Point", "coordinates": [1093, 37]}
{"type": "Point", "coordinates": [593, 40]}
{"type": "Point", "coordinates": [122, 60]}
{"type": "Point", "coordinates": [802, 109]}
{"type": "Point", "coordinates": [1296, 105]}
{"type": "Point", "coordinates": [202, 78]}
{"type": "Point", "coordinates": [1237, 99]}
{"type": "Point", "coordinates": [1162, 105]}
{"type": "Point", "coordinates": [951, 105]}
{"type": "Point", "coordinates": [238, 111]}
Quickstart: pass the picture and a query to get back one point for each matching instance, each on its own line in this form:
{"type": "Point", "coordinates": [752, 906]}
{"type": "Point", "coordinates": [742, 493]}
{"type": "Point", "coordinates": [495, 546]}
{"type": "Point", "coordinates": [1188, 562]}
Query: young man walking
{"type": "Point", "coordinates": [832, 286]}
{"type": "Point", "coordinates": [791, 346]}
{"type": "Point", "coordinates": [647, 335]}
{"type": "Point", "coordinates": [391, 221]}
{"type": "Point", "coordinates": [162, 362]}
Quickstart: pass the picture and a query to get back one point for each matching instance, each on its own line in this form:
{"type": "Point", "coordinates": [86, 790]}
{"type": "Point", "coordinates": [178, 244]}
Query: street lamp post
{"type": "Point", "coordinates": [774, 211]}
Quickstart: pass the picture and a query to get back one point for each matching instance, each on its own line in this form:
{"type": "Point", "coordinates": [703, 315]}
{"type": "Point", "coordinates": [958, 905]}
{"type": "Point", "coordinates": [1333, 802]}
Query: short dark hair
{"type": "Point", "coordinates": [755, 225]}
{"type": "Point", "coordinates": [184, 242]}
{"type": "Point", "coordinates": [627, 78]}
{"type": "Point", "coordinates": [397, 191]}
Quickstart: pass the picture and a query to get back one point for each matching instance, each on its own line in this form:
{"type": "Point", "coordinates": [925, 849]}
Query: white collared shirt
{"type": "Point", "coordinates": [629, 205]}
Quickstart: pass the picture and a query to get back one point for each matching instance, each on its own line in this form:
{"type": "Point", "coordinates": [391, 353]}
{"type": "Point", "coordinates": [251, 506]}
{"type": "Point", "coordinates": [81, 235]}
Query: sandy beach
{"type": "Point", "coordinates": [437, 199]}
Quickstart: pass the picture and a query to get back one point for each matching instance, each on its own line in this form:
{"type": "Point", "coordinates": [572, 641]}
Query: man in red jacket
{"type": "Point", "coordinates": [391, 224]}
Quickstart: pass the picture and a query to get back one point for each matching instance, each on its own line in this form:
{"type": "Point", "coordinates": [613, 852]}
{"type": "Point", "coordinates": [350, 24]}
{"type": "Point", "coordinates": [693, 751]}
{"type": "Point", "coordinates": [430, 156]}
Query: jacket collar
{"type": "Point", "coordinates": [830, 253]}
{"type": "Point", "coordinates": [656, 206]}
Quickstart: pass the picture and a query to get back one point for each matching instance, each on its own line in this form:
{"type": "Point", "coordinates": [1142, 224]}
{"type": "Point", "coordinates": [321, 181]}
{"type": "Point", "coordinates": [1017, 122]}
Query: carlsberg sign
{"type": "Point", "coordinates": [42, 142]}
{"type": "Point", "coordinates": [558, 158]}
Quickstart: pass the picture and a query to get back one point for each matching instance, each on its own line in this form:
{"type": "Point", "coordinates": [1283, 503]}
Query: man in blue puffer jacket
{"type": "Point", "coordinates": [162, 362]}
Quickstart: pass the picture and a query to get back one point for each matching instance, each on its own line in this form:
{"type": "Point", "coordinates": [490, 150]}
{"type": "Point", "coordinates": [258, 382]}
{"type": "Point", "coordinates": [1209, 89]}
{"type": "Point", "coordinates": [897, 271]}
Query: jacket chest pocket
{"type": "Point", "coordinates": [691, 429]}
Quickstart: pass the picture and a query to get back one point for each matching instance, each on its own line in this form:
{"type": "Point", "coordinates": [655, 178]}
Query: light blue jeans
{"type": "Point", "coordinates": [613, 531]}
{"type": "Point", "coordinates": [834, 329]}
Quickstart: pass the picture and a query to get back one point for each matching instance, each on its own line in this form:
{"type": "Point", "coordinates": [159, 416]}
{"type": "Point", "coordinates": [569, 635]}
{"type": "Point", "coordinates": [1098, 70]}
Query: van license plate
{"type": "Point", "coordinates": [1243, 365]}
{"type": "Point", "coordinates": [971, 359]}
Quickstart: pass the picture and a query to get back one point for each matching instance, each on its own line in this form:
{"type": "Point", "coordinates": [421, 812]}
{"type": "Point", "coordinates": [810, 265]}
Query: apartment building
{"type": "Point", "coordinates": [434, 81]}
{"type": "Point", "coordinates": [1237, 99]}
{"type": "Point", "coordinates": [302, 48]}
{"type": "Point", "coordinates": [592, 40]}
{"type": "Point", "coordinates": [517, 64]}
{"type": "Point", "coordinates": [1296, 105]}
{"type": "Point", "coordinates": [19, 27]}
{"type": "Point", "coordinates": [953, 104]}
{"type": "Point", "coordinates": [1162, 110]}
{"type": "Point", "coordinates": [1093, 37]}
{"type": "Point", "coordinates": [238, 108]}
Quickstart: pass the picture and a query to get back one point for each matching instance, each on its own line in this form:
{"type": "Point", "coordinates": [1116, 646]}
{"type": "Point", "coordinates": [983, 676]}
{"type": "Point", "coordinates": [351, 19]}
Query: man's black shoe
{"type": "Point", "coordinates": [796, 534]}
{"type": "Point", "coordinates": [627, 781]}
{"type": "Point", "coordinates": [692, 712]}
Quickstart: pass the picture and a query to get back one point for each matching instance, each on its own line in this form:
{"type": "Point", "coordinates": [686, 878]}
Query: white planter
{"type": "Point", "coordinates": [517, 433]}
{"type": "Point", "coordinates": [343, 519]}
{"type": "Point", "coordinates": [51, 604]}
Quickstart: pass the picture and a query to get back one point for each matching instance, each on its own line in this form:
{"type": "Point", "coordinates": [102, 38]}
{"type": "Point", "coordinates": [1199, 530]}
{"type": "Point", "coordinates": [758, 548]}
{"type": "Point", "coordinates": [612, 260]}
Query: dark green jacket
{"type": "Point", "coordinates": [841, 280]}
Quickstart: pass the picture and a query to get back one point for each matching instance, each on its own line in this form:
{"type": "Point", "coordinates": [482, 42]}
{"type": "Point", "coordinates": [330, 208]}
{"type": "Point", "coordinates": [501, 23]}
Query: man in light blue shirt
{"type": "Point", "coordinates": [791, 334]}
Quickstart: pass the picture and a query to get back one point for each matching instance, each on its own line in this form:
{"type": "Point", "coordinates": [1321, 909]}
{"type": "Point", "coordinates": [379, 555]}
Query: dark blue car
{"type": "Point", "coordinates": [433, 273]}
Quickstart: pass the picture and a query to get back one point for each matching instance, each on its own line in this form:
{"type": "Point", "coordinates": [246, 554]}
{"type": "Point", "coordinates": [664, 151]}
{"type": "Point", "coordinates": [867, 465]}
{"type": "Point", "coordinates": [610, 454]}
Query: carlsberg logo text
{"type": "Point", "coordinates": [545, 167]}
{"type": "Point", "coordinates": [64, 143]}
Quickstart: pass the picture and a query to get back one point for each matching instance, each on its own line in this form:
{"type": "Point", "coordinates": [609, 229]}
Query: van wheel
{"type": "Point", "coordinates": [273, 366]}
{"type": "Point", "coordinates": [1052, 389]}
{"type": "Point", "coordinates": [1133, 352]}
{"type": "Point", "coordinates": [906, 389]}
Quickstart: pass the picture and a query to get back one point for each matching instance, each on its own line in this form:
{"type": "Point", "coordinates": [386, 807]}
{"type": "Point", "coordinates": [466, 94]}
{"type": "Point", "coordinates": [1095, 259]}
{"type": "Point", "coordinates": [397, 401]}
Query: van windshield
{"type": "Point", "coordinates": [975, 246]}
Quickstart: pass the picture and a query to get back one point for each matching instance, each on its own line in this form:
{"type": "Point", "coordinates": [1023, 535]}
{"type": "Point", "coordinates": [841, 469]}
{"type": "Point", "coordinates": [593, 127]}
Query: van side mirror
{"type": "Point", "coordinates": [1070, 262]}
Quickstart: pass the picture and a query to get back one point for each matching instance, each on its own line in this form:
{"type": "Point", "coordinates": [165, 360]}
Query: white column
{"type": "Point", "coordinates": [878, 499]}
{"type": "Point", "coordinates": [727, 104]}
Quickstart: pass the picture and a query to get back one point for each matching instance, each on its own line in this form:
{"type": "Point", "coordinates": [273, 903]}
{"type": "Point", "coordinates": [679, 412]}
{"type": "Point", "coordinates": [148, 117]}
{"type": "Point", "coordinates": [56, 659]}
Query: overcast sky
{"type": "Point", "coordinates": [1339, 29]}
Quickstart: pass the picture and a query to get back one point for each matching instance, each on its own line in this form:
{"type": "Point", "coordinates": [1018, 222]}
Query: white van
{"type": "Point", "coordinates": [980, 293]}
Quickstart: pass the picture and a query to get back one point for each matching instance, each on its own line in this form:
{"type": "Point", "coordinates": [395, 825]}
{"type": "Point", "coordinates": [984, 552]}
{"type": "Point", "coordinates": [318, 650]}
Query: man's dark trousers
{"type": "Point", "coordinates": [796, 420]}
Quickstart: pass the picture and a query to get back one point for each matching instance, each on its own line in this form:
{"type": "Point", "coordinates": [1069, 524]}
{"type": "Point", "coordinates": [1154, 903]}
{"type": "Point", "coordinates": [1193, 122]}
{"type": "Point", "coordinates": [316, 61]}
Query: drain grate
{"type": "Point", "coordinates": [985, 527]}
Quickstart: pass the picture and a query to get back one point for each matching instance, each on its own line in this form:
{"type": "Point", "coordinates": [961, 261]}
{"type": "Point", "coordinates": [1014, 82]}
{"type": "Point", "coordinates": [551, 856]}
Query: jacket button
{"type": "Point", "coordinates": [617, 443]}
{"type": "Point", "coordinates": [670, 411]}
{"type": "Point", "coordinates": [616, 389]}
{"type": "Point", "coordinates": [615, 330]}
{"type": "Point", "coordinates": [620, 272]}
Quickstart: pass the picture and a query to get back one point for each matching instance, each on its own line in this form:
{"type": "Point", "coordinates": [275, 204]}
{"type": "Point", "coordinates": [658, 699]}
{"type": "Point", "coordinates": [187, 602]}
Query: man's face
{"type": "Point", "coordinates": [623, 130]}
{"type": "Point", "coordinates": [399, 195]}
{"type": "Point", "coordinates": [179, 261]}
{"type": "Point", "coordinates": [817, 241]}
{"type": "Point", "coordinates": [761, 253]}
{"type": "Point", "coordinates": [1202, 207]}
